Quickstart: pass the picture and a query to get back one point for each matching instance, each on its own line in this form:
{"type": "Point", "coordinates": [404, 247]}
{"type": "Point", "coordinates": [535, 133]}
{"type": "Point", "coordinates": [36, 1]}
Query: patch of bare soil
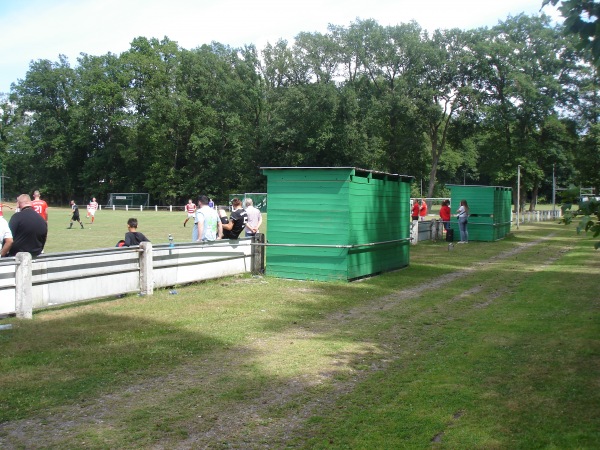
{"type": "Point", "coordinates": [243, 424]}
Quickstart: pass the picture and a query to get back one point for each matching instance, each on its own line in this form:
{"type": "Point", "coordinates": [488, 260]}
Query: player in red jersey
{"type": "Point", "coordinates": [92, 207]}
{"type": "Point", "coordinates": [190, 209]}
{"type": "Point", "coordinates": [39, 205]}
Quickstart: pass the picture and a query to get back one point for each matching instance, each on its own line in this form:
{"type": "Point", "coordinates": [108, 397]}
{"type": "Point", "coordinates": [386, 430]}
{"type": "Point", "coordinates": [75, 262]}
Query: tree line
{"type": "Point", "coordinates": [447, 107]}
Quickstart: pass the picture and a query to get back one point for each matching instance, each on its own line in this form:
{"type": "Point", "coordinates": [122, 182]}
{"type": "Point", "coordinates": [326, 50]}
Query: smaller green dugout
{"type": "Point", "coordinates": [489, 211]}
{"type": "Point", "coordinates": [336, 223]}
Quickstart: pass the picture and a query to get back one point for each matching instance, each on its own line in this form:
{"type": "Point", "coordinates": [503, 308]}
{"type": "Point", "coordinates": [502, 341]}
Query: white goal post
{"type": "Point", "coordinates": [129, 199]}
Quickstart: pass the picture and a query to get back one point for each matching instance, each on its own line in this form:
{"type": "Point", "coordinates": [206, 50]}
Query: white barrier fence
{"type": "Point", "coordinates": [61, 278]}
{"type": "Point", "coordinates": [432, 230]}
{"type": "Point", "coordinates": [537, 216]}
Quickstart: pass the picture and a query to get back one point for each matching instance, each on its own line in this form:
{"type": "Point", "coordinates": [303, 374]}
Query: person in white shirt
{"type": "Point", "coordinates": [6, 237]}
{"type": "Point", "coordinates": [254, 218]}
{"type": "Point", "coordinates": [190, 209]}
{"type": "Point", "coordinates": [207, 221]}
{"type": "Point", "coordinates": [92, 207]}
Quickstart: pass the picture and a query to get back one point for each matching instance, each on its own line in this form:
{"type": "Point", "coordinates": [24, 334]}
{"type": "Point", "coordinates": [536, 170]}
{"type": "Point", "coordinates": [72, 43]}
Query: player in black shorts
{"type": "Point", "coordinates": [75, 215]}
{"type": "Point", "coordinates": [234, 225]}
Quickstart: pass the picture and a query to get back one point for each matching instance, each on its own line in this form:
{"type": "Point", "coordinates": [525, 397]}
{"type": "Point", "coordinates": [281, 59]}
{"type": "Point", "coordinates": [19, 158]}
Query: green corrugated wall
{"type": "Point", "coordinates": [489, 209]}
{"type": "Point", "coordinates": [335, 206]}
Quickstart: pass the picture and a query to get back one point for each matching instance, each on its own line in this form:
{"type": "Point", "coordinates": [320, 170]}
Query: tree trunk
{"type": "Point", "coordinates": [534, 196]}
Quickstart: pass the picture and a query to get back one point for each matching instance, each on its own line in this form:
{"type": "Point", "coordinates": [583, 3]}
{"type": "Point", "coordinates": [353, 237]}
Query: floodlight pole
{"type": "Point", "coordinates": [518, 193]}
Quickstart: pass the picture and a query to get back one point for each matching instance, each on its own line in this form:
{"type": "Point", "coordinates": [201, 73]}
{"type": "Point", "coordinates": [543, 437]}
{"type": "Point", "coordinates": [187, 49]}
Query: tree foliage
{"type": "Point", "coordinates": [581, 19]}
{"type": "Point", "coordinates": [449, 106]}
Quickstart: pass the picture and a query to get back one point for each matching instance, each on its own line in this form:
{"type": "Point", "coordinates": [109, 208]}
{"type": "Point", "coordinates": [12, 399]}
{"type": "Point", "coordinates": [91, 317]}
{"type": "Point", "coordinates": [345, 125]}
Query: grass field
{"type": "Point", "coordinates": [111, 226]}
{"type": "Point", "coordinates": [491, 345]}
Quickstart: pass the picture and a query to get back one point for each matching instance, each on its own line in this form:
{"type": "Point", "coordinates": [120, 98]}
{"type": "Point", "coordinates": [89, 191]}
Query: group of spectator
{"type": "Point", "coordinates": [28, 228]}
{"type": "Point", "coordinates": [419, 211]}
{"type": "Point", "coordinates": [211, 224]}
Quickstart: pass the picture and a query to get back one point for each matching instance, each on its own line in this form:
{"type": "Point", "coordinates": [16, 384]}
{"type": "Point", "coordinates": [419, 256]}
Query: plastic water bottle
{"type": "Point", "coordinates": [171, 244]}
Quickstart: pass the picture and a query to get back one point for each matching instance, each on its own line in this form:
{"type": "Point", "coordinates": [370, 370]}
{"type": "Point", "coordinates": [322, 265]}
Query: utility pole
{"type": "Point", "coordinates": [518, 193]}
{"type": "Point", "coordinates": [553, 192]}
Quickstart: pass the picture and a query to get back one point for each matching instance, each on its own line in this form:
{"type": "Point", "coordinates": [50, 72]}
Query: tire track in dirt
{"type": "Point", "coordinates": [244, 425]}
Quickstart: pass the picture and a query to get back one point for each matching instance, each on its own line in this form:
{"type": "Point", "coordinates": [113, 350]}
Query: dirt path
{"type": "Point", "coordinates": [246, 424]}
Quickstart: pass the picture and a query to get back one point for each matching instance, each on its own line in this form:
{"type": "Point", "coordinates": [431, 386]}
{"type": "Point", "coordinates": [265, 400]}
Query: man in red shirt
{"type": "Point", "coordinates": [415, 210]}
{"type": "Point", "coordinates": [445, 214]}
{"type": "Point", "coordinates": [39, 205]}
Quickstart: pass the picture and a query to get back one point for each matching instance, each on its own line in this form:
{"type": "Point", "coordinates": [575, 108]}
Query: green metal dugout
{"type": "Point", "coordinates": [336, 223]}
{"type": "Point", "coordinates": [489, 211]}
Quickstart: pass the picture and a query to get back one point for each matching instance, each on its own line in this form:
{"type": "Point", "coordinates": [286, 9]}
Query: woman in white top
{"type": "Point", "coordinates": [463, 214]}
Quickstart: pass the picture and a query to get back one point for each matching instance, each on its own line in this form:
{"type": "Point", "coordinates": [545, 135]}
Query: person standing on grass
{"type": "Point", "coordinates": [207, 221]}
{"type": "Point", "coordinates": [445, 213]}
{"type": "Point", "coordinates": [190, 209]}
{"type": "Point", "coordinates": [423, 209]}
{"type": "Point", "coordinates": [39, 205]}
{"type": "Point", "coordinates": [415, 210]}
{"type": "Point", "coordinates": [75, 215]}
{"type": "Point", "coordinates": [462, 213]}
{"type": "Point", "coordinates": [28, 228]}
{"type": "Point", "coordinates": [133, 236]}
{"type": "Point", "coordinates": [254, 218]}
{"type": "Point", "coordinates": [92, 208]}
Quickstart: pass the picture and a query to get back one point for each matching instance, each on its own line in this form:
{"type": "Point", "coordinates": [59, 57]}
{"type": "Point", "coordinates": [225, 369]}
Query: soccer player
{"type": "Point", "coordinates": [75, 215]}
{"type": "Point", "coordinates": [39, 205]}
{"type": "Point", "coordinates": [92, 207]}
{"type": "Point", "coordinates": [190, 208]}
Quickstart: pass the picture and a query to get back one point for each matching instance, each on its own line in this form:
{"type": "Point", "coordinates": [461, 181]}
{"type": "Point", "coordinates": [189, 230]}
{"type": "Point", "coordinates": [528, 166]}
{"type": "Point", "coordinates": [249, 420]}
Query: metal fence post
{"type": "Point", "coordinates": [258, 254]}
{"type": "Point", "coordinates": [23, 295]}
{"type": "Point", "coordinates": [146, 276]}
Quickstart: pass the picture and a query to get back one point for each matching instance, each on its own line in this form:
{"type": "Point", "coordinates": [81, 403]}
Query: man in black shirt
{"type": "Point", "coordinates": [28, 228]}
{"type": "Point", "coordinates": [75, 215]}
{"type": "Point", "coordinates": [233, 226]}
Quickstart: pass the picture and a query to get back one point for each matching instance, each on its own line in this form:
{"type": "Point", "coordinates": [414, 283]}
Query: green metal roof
{"type": "Point", "coordinates": [357, 170]}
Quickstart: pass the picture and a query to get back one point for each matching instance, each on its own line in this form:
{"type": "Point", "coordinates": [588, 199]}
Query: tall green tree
{"type": "Point", "coordinates": [581, 19]}
{"type": "Point", "coordinates": [519, 66]}
{"type": "Point", "coordinates": [46, 99]}
{"type": "Point", "coordinates": [104, 124]}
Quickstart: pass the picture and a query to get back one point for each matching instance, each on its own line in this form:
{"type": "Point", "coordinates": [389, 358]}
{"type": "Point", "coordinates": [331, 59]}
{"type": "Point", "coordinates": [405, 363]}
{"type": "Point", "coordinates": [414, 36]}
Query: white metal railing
{"type": "Point", "coordinates": [61, 278]}
{"type": "Point", "coordinates": [432, 230]}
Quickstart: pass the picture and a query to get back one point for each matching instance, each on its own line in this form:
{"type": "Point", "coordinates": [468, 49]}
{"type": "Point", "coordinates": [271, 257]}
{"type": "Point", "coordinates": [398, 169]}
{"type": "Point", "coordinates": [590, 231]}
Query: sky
{"type": "Point", "coordinates": [44, 29]}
